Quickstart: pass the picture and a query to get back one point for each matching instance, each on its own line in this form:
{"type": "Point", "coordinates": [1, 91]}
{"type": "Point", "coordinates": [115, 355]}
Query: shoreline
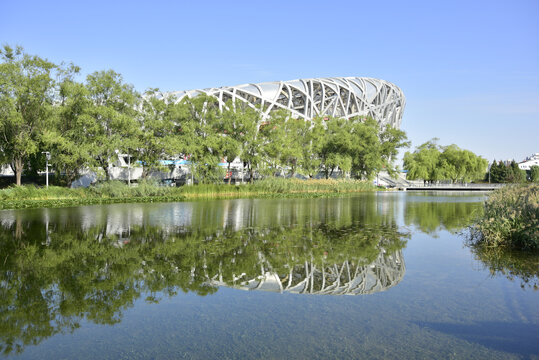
{"type": "Point", "coordinates": [30, 197]}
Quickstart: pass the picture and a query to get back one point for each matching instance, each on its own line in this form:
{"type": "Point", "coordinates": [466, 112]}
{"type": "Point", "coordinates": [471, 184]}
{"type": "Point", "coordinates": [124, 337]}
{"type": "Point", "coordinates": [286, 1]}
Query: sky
{"type": "Point", "coordinates": [469, 69]}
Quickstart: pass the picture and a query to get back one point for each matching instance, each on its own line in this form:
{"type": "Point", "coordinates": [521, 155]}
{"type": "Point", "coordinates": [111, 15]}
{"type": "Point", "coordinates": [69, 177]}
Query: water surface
{"type": "Point", "coordinates": [382, 275]}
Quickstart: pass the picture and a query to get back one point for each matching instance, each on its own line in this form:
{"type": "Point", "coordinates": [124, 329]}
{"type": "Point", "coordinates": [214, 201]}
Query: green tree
{"type": "Point", "coordinates": [423, 162]}
{"type": "Point", "coordinates": [252, 142]}
{"type": "Point", "coordinates": [159, 124]}
{"type": "Point", "coordinates": [432, 162]}
{"type": "Point", "coordinates": [312, 146]}
{"type": "Point", "coordinates": [68, 140]}
{"type": "Point", "coordinates": [534, 173]}
{"type": "Point", "coordinates": [392, 140]}
{"type": "Point", "coordinates": [498, 172]}
{"type": "Point", "coordinates": [335, 153]}
{"type": "Point", "coordinates": [515, 174]}
{"type": "Point", "coordinates": [202, 137]}
{"type": "Point", "coordinates": [272, 138]}
{"type": "Point", "coordinates": [461, 165]}
{"type": "Point", "coordinates": [296, 133]}
{"type": "Point", "coordinates": [26, 95]}
{"type": "Point", "coordinates": [366, 151]}
{"type": "Point", "coordinates": [111, 117]}
{"type": "Point", "coordinates": [239, 125]}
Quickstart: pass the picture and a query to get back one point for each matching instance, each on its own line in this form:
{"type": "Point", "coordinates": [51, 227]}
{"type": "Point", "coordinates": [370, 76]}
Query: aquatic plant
{"type": "Point", "coordinates": [30, 196]}
{"type": "Point", "coordinates": [510, 219]}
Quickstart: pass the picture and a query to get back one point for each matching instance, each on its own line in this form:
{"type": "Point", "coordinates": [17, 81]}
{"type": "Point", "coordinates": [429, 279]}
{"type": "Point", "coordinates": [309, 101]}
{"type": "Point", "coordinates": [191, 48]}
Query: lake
{"type": "Point", "coordinates": [384, 275]}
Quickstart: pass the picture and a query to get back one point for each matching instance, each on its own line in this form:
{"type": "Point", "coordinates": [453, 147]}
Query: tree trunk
{"type": "Point", "coordinates": [105, 166]}
{"type": "Point", "coordinates": [18, 164]}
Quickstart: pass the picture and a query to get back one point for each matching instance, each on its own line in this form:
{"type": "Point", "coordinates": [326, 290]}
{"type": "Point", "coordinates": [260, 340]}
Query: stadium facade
{"type": "Point", "coordinates": [344, 97]}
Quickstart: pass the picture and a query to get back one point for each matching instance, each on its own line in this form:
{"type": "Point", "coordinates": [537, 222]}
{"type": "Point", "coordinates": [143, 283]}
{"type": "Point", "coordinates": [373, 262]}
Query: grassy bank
{"type": "Point", "coordinates": [510, 219]}
{"type": "Point", "coordinates": [117, 192]}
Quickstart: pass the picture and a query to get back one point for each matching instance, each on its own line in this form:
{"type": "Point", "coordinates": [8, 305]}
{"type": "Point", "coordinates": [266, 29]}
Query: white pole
{"type": "Point", "coordinates": [128, 170]}
{"type": "Point", "coordinates": [47, 157]}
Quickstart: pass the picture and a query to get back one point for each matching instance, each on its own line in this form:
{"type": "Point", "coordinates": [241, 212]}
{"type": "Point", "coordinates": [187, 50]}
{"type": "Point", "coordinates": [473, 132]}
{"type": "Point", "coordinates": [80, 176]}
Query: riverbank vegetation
{"type": "Point", "coordinates": [510, 219]}
{"type": "Point", "coordinates": [30, 196]}
{"type": "Point", "coordinates": [88, 125]}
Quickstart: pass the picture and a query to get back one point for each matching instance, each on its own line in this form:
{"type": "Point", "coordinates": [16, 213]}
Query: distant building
{"type": "Point", "coordinates": [529, 162]}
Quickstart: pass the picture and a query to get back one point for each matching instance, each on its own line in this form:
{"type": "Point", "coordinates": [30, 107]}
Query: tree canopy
{"type": "Point", "coordinates": [432, 162]}
{"type": "Point", "coordinates": [86, 125]}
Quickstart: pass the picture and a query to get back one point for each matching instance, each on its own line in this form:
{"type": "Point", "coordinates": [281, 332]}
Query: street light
{"type": "Point", "coordinates": [48, 157]}
{"type": "Point", "coordinates": [128, 170]}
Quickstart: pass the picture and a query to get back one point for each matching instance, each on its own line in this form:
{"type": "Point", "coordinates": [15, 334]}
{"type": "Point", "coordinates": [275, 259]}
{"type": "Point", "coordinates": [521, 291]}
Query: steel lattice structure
{"type": "Point", "coordinates": [348, 278]}
{"type": "Point", "coordinates": [344, 97]}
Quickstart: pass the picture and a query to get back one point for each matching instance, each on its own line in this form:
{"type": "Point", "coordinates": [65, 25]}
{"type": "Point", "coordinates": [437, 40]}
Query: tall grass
{"type": "Point", "coordinates": [148, 191]}
{"type": "Point", "coordinates": [511, 219]}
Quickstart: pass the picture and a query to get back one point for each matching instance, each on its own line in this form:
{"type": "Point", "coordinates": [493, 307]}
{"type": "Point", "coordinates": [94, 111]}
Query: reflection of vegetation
{"type": "Point", "coordinates": [431, 217]}
{"type": "Point", "coordinates": [54, 275]}
{"type": "Point", "coordinates": [511, 264]}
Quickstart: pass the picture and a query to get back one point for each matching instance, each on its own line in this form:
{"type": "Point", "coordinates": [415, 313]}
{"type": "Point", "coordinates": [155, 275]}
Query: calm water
{"type": "Point", "coordinates": [383, 275]}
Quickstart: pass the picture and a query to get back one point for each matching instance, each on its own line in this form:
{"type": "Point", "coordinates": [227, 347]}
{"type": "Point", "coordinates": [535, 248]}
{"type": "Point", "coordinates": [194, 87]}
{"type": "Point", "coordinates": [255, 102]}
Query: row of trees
{"type": "Point", "coordinates": [85, 124]}
{"type": "Point", "coordinates": [432, 162]}
{"type": "Point", "coordinates": [499, 172]}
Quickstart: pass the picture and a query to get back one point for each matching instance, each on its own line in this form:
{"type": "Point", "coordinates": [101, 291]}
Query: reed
{"type": "Point", "coordinates": [148, 191]}
{"type": "Point", "coordinates": [510, 219]}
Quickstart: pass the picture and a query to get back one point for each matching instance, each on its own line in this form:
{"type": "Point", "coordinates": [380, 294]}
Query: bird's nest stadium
{"type": "Point", "coordinates": [343, 97]}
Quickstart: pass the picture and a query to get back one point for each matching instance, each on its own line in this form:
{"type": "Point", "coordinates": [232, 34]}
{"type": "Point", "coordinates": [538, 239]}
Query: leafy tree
{"type": "Point", "coordinates": [498, 172]}
{"type": "Point", "coordinates": [534, 173]}
{"type": "Point", "coordinates": [432, 162]}
{"type": "Point", "coordinates": [252, 141]}
{"type": "Point", "coordinates": [111, 117]}
{"type": "Point", "coordinates": [392, 140]}
{"type": "Point", "coordinates": [312, 146]}
{"type": "Point", "coordinates": [423, 162]}
{"type": "Point", "coordinates": [239, 124]}
{"type": "Point", "coordinates": [68, 138]}
{"type": "Point", "coordinates": [159, 123]}
{"type": "Point", "coordinates": [461, 165]}
{"type": "Point", "coordinates": [336, 150]}
{"type": "Point", "coordinates": [366, 151]}
{"type": "Point", "coordinates": [515, 174]}
{"type": "Point", "coordinates": [272, 138]}
{"type": "Point", "coordinates": [201, 135]}
{"type": "Point", "coordinates": [26, 94]}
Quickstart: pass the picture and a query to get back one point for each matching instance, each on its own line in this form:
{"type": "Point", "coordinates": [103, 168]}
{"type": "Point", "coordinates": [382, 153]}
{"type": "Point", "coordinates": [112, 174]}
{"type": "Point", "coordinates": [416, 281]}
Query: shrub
{"type": "Point", "coordinates": [510, 219]}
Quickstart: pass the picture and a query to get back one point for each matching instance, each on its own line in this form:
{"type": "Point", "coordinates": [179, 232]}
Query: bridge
{"type": "Point", "coordinates": [401, 183]}
{"type": "Point", "coordinates": [452, 187]}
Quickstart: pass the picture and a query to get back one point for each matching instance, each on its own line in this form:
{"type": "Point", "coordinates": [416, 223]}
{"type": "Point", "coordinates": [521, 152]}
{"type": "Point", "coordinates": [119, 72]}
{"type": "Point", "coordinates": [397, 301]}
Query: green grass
{"type": "Point", "coordinates": [30, 196]}
{"type": "Point", "coordinates": [510, 219]}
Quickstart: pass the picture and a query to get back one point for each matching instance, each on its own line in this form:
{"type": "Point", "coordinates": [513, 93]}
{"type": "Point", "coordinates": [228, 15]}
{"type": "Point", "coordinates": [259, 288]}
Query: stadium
{"type": "Point", "coordinates": [343, 97]}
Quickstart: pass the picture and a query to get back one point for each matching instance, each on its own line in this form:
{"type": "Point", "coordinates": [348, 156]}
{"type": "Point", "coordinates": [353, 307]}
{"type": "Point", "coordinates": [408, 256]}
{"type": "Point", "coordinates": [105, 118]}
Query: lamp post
{"type": "Point", "coordinates": [48, 157]}
{"type": "Point", "coordinates": [128, 170]}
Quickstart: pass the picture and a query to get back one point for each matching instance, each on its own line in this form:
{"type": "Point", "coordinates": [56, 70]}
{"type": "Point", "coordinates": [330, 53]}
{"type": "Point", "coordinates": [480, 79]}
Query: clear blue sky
{"type": "Point", "coordinates": [469, 69]}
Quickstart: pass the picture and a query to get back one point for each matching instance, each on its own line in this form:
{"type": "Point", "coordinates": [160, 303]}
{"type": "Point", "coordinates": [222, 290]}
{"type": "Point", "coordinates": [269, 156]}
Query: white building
{"type": "Point", "coordinates": [529, 162]}
{"type": "Point", "coordinates": [344, 97]}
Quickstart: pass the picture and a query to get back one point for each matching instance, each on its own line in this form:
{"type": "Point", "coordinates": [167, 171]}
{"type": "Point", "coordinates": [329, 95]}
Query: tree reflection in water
{"type": "Point", "coordinates": [456, 216]}
{"type": "Point", "coordinates": [512, 264]}
{"type": "Point", "coordinates": [431, 217]}
{"type": "Point", "coordinates": [60, 268]}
